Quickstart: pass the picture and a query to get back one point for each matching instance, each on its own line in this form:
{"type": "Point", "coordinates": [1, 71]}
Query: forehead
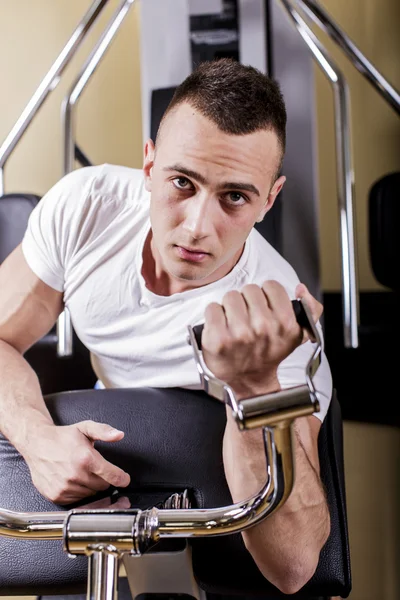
{"type": "Point", "coordinates": [190, 138]}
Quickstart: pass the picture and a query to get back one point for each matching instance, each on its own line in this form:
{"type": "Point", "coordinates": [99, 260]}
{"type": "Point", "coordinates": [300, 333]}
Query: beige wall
{"type": "Point", "coordinates": [109, 111]}
{"type": "Point", "coordinates": [374, 27]}
{"type": "Point", "coordinates": [109, 127]}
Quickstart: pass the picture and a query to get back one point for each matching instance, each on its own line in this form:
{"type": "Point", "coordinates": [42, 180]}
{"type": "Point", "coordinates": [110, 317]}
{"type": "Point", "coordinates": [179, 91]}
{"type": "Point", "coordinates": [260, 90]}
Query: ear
{"type": "Point", "coordinates": [148, 163]}
{"type": "Point", "coordinates": [276, 188]}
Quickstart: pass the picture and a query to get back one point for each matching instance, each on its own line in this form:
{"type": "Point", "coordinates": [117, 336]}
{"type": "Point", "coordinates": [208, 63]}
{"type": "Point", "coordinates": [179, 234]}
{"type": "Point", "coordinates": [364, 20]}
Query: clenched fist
{"type": "Point", "coordinates": [247, 336]}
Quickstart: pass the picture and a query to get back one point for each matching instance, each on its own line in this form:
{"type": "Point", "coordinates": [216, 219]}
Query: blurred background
{"type": "Point", "coordinates": [156, 46]}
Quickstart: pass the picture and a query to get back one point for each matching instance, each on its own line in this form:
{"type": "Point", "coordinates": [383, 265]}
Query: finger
{"type": "Point", "coordinates": [99, 431]}
{"type": "Point", "coordinates": [74, 493]}
{"type": "Point", "coordinates": [93, 482]}
{"type": "Point", "coordinates": [122, 503]}
{"type": "Point", "coordinates": [236, 314]}
{"type": "Point", "coordinates": [215, 326]}
{"type": "Point", "coordinates": [102, 503]}
{"type": "Point", "coordinates": [109, 472]}
{"type": "Point", "coordinates": [258, 308]}
{"type": "Point", "coordinates": [315, 307]}
{"type": "Point", "coordinates": [277, 297]}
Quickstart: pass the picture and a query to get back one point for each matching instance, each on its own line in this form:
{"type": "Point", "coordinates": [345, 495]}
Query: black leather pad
{"type": "Point", "coordinates": [383, 221]}
{"type": "Point", "coordinates": [15, 210]}
{"type": "Point", "coordinates": [173, 441]}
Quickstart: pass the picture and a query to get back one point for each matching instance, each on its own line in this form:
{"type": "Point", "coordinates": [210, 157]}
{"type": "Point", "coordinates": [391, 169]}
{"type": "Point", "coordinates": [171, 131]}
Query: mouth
{"type": "Point", "coordinates": [193, 255]}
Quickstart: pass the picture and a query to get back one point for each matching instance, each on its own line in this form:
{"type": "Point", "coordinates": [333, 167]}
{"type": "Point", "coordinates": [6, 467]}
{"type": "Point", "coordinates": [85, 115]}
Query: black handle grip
{"type": "Point", "coordinates": [299, 311]}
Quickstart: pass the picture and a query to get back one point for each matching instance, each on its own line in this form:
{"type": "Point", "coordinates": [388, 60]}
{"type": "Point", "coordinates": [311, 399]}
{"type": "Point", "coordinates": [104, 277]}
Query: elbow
{"type": "Point", "coordinates": [290, 570]}
{"type": "Point", "coordinates": [293, 577]}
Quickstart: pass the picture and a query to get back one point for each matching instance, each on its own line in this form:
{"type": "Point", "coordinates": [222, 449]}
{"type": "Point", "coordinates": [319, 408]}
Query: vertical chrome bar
{"type": "Point", "coordinates": [48, 84]}
{"type": "Point", "coordinates": [345, 184]}
{"type": "Point", "coordinates": [103, 573]}
{"type": "Point", "coordinates": [319, 15]}
{"type": "Point", "coordinates": [83, 78]}
{"type": "Point", "coordinates": [344, 171]}
{"type": "Point", "coordinates": [64, 325]}
{"type": "Point", "coordinates": [64, 334]}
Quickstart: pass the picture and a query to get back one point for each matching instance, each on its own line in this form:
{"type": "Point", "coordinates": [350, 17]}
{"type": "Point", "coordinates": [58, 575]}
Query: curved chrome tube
{"type": "Point", "coordinates": [64, 325]}
{"type": "Point", "coordinates": [319, 15]}
{"type": "Point", "coordinates": [345, 175]}
{"type": "Point", "coordinates": [133, 530]}
{"type": "Point", "coordinates": [240, 516]}
{"type": "Point", "coordinates": [48, 84]}
{"type": "Point", "coordinates": [44, 526]}
{"type": "Point", "coordinates": [83, 78]}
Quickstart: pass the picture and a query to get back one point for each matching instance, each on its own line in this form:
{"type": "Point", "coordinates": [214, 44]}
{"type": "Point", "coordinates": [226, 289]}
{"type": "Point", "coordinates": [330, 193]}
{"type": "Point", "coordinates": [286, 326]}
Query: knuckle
{"type": "Point", "coordinates": [245, 336]}
{"type": "Point", "coordinates": [57, 494]}
{"type": "Point", "coordinates": [250, 287]}
{"type": "Point", "coordinates": [261, 329]}
{"type": "Point", "coordinates": [231, 295]}
{"type": "Point", "coordinates": [84, 459]}
{"type": "Point", "coordinates": [221, 345]}
{"type": "Point", "coordinates": [118, 478]}
{"type": "Point", "coordinates": [272, 284]}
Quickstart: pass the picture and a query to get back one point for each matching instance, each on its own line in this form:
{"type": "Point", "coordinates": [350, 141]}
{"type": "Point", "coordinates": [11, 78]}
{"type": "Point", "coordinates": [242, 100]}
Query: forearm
{"type": "Point", "coordinates": [22, 408]}
{"type": "Point", "coordinates": [285, 545]}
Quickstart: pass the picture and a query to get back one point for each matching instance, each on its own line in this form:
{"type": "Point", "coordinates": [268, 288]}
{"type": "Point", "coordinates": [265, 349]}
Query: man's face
{"type": "Point", "coordinates": [208, 188]}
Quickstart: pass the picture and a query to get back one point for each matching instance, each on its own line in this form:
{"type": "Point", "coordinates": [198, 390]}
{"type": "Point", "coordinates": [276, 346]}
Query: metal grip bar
{"type": "Point", "coordinates": [267, 409]}
{"type": "Point", "coordinates": [135, 530]}
{"type": "Point", "coordinates": [319, 15]}
{"type": "Point", "coordinates": [83, 78]}
{"type": "Point", "coordinates": [344, 174]}
{"type": "Point", "coordinates": [64, 324]}
{"type": "Point", "coordinates": [48, 84]}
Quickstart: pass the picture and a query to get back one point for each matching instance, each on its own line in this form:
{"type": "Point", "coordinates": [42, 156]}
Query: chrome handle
{"type": "Point", "coordinates": [64, 325]}
{"type": "Point", "coordinates": [48, 84]}
{"type": "Point", "coordinates": [320, 16]}
{"type": "Point", "coordinates": [344, 174]}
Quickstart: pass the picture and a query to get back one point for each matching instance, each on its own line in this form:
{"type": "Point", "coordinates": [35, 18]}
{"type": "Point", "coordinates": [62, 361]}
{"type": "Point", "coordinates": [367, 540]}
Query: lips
{"type": "Point", "coordinates": [189, 255]}
{"type": "Point", "coordinates": [196, 250]}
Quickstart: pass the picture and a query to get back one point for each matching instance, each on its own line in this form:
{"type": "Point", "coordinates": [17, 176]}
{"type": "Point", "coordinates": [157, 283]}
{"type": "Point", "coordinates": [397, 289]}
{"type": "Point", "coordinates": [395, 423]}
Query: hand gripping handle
{"type": "Point", "coordinates": [266, 409]}
{"type": "Point", "coordinates": [301, 318]}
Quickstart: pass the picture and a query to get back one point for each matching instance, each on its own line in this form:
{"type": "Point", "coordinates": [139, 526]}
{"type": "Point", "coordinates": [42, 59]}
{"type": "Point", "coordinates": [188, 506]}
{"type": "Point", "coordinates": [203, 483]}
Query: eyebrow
{"type": "Point", "coordinates": [227, 185]}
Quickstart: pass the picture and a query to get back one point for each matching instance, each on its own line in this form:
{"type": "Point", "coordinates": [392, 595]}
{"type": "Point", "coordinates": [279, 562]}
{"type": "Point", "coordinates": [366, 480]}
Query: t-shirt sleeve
{"type": "Point", "coordinates": [292, 372]}
{"type": "Point", "coordinates": [53, 227]}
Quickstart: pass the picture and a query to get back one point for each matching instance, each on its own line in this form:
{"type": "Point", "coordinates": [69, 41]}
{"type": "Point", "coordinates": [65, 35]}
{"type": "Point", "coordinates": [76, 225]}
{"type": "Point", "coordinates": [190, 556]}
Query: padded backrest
{"type": "Point", "coordinates": [173, 441]}
{"type": "Point", "coordinates": [54, 373]}
{"type": "Point", "coordinates": [14, 215]}
{"type": "Point", "coordinates": [384, 222]}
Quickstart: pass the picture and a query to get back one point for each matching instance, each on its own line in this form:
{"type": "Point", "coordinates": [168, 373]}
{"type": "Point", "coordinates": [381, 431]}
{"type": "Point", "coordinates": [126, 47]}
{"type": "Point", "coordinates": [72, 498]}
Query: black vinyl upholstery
{"type": "Point", "coordinates": [14, 215]}
{"type": "Point", "coordinates": [54, 373]}
{"type": "Point", "coordinates": [173, 441]}
{"type": "Point", "coordinates": [384, 221]}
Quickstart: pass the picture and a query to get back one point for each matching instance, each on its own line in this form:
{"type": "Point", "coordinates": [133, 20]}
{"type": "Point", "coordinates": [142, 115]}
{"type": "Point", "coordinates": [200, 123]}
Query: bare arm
{"type": "Point", "coordinates": [244, 341]}
{"type": "Point", "coordinates": [28, 310]}
{"type": "Point", "coordinates": [286, 546]}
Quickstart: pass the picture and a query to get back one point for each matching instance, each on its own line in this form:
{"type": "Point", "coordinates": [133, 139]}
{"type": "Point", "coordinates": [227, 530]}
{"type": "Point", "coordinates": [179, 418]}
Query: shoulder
{"type": "Point", "coordinates": [105, 180]}
{"type": "Point", "coordinates": [266, 263]}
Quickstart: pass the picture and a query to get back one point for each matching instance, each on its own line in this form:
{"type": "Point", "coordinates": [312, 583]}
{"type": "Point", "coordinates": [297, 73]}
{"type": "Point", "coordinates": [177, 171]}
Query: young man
{"type": "Point", "coordinates": [136, 256]}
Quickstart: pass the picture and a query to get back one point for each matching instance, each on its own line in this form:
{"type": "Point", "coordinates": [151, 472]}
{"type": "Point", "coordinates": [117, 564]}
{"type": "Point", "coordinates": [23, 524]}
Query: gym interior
{"type": "Point", "coordinates": [87, 82]}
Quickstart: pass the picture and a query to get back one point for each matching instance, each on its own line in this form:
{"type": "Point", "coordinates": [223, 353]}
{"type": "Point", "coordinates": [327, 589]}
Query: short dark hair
{"type": "Point", "coordinates": [238, 98]}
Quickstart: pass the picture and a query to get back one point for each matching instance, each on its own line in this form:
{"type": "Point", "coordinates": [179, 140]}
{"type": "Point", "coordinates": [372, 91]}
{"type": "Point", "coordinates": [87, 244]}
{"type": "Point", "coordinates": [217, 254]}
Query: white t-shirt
{"type": "Point", "coordinates": [85, 238]}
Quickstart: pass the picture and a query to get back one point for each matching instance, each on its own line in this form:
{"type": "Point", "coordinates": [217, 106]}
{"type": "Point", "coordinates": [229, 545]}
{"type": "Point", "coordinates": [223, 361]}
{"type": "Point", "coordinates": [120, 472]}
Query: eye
{"type": "Point", "coordinates": [182, 183]}
{"type": "Point", "coordinates": [235, 199]}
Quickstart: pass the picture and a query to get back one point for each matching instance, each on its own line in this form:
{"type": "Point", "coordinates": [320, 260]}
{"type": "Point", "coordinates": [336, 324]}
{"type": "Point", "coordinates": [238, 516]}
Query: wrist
{"type": "Point", "coordinates": [31, 433]}
{"type": "Point", "coordinates": [249, 389]}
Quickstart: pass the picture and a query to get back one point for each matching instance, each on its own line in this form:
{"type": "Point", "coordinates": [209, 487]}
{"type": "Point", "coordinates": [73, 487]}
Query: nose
{"type": "Point", "coordinates": [199, 216]}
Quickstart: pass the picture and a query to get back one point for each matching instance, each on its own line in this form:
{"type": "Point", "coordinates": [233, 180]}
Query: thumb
{"type": "Point", "coordinates": [315, 307]}
{"type": "Point", "coordinates": [99, 431]}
